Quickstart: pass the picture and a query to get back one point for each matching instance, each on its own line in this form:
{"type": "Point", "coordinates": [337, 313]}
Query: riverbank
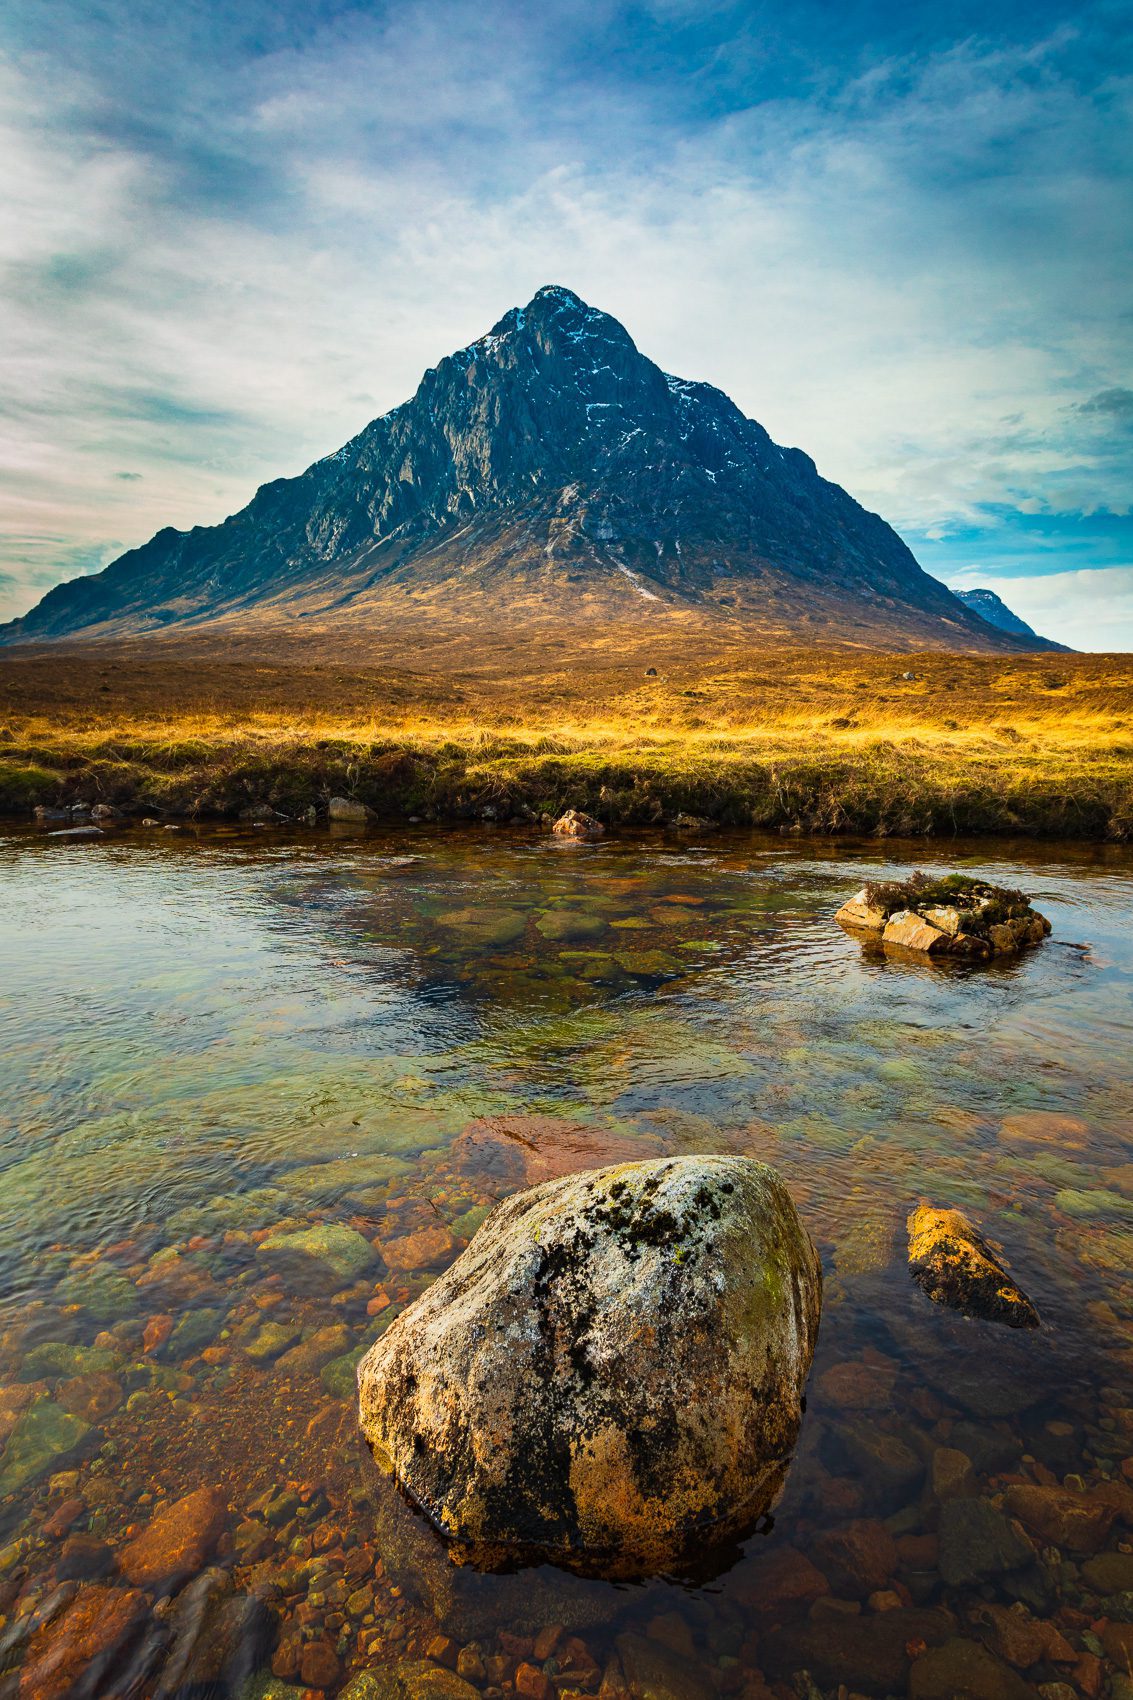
{"type": "Point", "coordinates": [936, 744]}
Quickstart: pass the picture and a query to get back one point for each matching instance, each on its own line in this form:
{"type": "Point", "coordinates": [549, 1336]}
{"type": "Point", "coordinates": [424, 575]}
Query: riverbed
{"type": "Point", "coordinates": [217, 1039]}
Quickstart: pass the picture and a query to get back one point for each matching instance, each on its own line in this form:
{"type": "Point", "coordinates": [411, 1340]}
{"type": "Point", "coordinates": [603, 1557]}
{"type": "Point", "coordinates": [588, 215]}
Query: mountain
{"type": "Point", "coordinates": [995, 611]}
{"type": "Point", "coordinates": [549, 471]}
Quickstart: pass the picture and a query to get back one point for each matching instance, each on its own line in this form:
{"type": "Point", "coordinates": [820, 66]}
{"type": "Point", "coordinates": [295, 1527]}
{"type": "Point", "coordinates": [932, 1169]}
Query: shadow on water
{"type": "Point", "coordinates": [218, 1042]}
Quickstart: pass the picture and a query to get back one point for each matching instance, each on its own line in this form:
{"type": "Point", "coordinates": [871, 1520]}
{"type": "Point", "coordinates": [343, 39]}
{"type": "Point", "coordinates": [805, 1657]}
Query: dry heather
{"type": "Point", "coordinates": [825, 741]}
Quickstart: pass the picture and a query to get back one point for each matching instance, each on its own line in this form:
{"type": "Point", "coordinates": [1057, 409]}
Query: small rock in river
{"type": "Point", "coordinates": [348, 809]}
{"type": "Point", "coordinates": [324, 1256]}
{"type": "Point", "coordinates": [952, 1264]}
{"type": "Point", "coordinates": [83, 1643]}
{"type": "Point", "coordinates": [576, 824]}
{"type": "Point", "coordinates": [612, 1370]}
{"type": "Point", "coordinates": [177, 1542]}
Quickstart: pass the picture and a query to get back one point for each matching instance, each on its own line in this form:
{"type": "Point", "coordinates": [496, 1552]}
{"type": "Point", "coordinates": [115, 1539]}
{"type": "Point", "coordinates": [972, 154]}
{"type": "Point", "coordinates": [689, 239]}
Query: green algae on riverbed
{"type": "Point", "coordinates": [241, 1076]}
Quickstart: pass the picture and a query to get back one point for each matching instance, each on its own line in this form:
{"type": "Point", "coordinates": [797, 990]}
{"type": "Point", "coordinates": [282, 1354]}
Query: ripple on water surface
{"type": "Point", "coordinates": [213, 1039]}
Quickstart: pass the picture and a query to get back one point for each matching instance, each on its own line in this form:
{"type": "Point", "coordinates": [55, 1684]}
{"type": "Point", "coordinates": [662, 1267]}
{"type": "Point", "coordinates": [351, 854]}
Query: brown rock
{"type": "Point", "coordinates": [1078, 1522]}
{"type": "Point", "coordinates": [83, 1557]}
{"type": "Point", "coordinates": [157, 1331]}
{"type": "Point", "coordinates": [1002, 938]}
{"type": "Point", "coordinates": [91, 1397]}
{"type": "Point", "coordinates": [444, 1650]}
{"type": "Point", "coordinates": [1109, 1573]}
{"type": "Point", "coordinates": [1021, 1639]}
{"type": "Point", "coordinates": [420, 1249]}
{"type": "Point", "coordinates": [860, 916]}
{"type": "Point", "coordinates": [953, 1475]}
{"type": "Point", "coordinates": [1044, 1127]}
{"type": "Point", "coordinates": [655, 1672]}
{"type": "Point", "coordinates": [956, 1267]}
{"type": "Point", "coordinates": [857, 1386]}
{"type": "Point", "coordinates": [857, 1559]}
{"type": "Point", "coordinates": [177, 1541]}
{"type": "Point", "coordinates": [83, 1642]}
{"type": "Point", "coordinates": [965, 1668]}
{"type": "Point", "coordinates": [575, 824]}
{"type": "Point", "coordinates": [524, 1150]}
{"type": "Point", "coordinates": [1117, 1639]}
{"type": "Point", "coordinates": [318, 1665]}
{"type": "Point", "coordinates": [781, 1584]}
{"type": "Point", "coordinates": [62, 1518]}
{"type": "Point", "coordinates": [909, 931]}
{"type": "Point", "coordinates": [532, 1682]}
{"type": "Point", "coordinates": [871, 1655]}
{"type": "Point", "coordinates": [310, 1355]}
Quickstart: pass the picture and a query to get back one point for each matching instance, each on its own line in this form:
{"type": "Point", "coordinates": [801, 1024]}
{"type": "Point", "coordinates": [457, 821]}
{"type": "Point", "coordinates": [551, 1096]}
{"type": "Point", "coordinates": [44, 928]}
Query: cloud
{"type": "Point", "coordinates": [913, 263]}
{"type": "Point", "coordinates": [1111, 404]}
{"type": "Point", "coordinates": [1090, 608]}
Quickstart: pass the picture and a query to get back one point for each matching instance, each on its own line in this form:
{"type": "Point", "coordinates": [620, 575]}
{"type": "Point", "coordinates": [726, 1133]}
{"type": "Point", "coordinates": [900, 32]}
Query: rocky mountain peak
{"type": "Point", "coordinates": [549, 460]}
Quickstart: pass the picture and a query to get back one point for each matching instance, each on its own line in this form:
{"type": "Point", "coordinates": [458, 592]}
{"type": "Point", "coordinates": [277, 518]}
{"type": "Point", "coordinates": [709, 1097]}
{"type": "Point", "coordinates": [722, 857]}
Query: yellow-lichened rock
{"type": "Point", "coordinates": [955, 1266]}
{"type": "Point", "coordinates": [612, 1374]}
{"type": "Point", "coordinates": [860, 915]}
{"type": "Point", "coordinates": [912, 932]}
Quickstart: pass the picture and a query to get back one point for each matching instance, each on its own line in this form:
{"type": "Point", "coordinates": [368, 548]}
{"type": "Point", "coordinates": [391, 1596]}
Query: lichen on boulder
{"type": "Point", "coordinates": [611, 1375]}
{"type": "Point", "coordinates": [952, 1263]}
{"type": "Point", "coordinates": [955, 915]}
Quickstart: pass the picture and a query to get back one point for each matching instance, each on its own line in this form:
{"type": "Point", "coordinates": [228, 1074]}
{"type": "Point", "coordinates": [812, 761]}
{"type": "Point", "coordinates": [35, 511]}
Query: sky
{"type": "Point", "coordinates": [899, 235]}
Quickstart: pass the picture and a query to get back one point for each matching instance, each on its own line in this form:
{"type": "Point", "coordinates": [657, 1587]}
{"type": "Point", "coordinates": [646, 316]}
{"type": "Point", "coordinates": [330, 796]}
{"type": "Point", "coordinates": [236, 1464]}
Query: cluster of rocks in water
{"type": "Point", "coordinates": [953, 916]}
{"type": "Point", "coordinates": [928, 1546]}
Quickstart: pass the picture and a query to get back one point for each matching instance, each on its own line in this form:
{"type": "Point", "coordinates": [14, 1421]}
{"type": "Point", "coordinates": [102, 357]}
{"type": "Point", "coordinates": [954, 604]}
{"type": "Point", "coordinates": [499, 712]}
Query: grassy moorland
{"type": "Point", "coordinates": [823, 740]}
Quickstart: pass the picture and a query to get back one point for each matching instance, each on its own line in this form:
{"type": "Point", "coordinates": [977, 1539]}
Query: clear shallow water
{"type": "Point", "coordinates": [207, 1038]}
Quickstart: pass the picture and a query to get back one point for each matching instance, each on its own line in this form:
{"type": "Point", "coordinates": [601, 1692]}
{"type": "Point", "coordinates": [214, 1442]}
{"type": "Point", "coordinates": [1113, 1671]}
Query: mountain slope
{"type": "Point", "coordinates": [549, 471]}
{"type": "Point", "coordinates": [995, 611]}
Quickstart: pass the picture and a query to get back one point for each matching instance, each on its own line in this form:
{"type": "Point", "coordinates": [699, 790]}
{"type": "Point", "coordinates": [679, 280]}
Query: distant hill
{"type": "Point", "coordinates": [995, 611]}
{"type": "Point", "coordinates": [548, 472]}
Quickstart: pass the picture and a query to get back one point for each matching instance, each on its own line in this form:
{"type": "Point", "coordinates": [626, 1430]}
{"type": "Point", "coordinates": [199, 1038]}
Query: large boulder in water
{"type": "Point", "coordinates": [611, 1375]}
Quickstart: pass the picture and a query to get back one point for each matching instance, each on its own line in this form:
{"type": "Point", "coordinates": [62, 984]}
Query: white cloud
{"type": "Point", "coordinates": [1090, 608]}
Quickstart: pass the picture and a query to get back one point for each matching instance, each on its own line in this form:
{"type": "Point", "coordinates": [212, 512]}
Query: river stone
{"type": "Point", "coordinates": [955, 1266]}
{"type": "Point", "coordinates": [348, 808]}
{"type": "Point", "coordinates": [43, 1437]}
{"type": "Point", "coordinates": [611, 1373]}
{"type": "Point", "coordinates": [414, 1679]}
{"type": "Point", "coordinates": [325, 1256]}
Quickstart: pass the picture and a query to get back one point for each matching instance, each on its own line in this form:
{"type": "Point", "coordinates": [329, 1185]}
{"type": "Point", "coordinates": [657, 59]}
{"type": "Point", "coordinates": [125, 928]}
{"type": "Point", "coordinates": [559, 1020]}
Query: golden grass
{"type": "Point", "coordinates": [830, 740]}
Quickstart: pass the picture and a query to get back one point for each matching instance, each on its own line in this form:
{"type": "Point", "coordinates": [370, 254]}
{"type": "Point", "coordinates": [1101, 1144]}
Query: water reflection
{"type": "Point", "coordinates": [215, 1045]}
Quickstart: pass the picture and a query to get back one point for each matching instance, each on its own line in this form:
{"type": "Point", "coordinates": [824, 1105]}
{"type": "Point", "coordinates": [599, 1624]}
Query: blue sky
{"type": "Point", "coordinates": [899, 235]}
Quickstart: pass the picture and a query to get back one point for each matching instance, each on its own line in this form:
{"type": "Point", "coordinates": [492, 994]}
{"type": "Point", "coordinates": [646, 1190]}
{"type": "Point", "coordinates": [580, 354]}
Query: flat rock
{"type": "Point", "coordinates": [657, 1672]}
{"type": "Point", "coordinates": [326, 1256]}
{"type": "Point", "coordinates": [611, 1373]}
{"type": "Point", "coordinates": [870, 1654]}
{"type": "Point", "coordinates": [968, 1669]}
{"type": "Point", "coordinates": [859, 915]}
{"type": "Point", "coordinates": [41, 1438]}
{"type": "Point", "coordinates": [72, 1652]}
{"type": "Point", "coordinates": [955, 1266]}
{"type": "Point", "coordinates": [978, 1543]}
{"type": "Point", "coordinates": [513, 1151]}
{"type": "Point", "coordinates": [1077, 1522]}
{"type": "Point", "coordinates": [910, 931]}
{"type": "Point", "coordinates": [176, 1543]}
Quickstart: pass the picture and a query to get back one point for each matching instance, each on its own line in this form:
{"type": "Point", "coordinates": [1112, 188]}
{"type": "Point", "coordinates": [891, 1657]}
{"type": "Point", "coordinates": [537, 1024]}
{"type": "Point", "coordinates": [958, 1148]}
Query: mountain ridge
{"type": "Point", "coordinates": [992, 608]}
{"type": "Point", "coordinates": [548, 471]}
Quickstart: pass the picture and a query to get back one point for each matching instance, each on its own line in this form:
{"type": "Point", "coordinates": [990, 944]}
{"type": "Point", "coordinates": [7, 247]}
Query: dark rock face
{"type": "Point", "coordinates": [550, 454]}
{"type": "Point", "coordinates": [995, 611]}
